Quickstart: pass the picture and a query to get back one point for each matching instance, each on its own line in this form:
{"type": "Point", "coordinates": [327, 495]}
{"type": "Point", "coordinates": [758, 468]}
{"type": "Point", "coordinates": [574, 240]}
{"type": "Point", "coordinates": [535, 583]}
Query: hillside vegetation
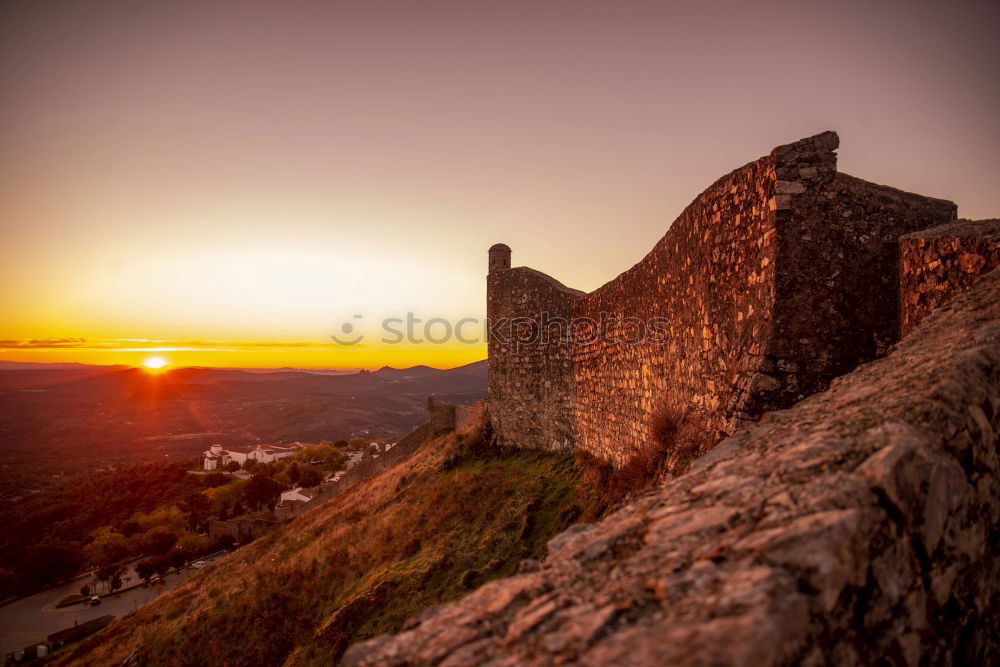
{"type": "Point", "coordinates": [454, 515]}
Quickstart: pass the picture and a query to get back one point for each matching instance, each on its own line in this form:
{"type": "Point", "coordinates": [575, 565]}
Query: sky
{"type": "Point", "coordinates": [230, 183]}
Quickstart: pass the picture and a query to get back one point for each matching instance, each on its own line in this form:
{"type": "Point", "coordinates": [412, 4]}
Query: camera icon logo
{"type": "Point", "coordinates": [347, 337]}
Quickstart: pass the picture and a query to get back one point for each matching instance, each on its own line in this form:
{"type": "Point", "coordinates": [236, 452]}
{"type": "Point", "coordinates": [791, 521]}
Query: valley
{"type": "Point", "coordinates": [59, 422]}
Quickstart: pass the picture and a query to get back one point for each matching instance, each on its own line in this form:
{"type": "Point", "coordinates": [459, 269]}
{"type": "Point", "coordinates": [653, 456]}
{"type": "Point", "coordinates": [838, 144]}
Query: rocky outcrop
{"type": "Point", "coordinates": [860, 526]}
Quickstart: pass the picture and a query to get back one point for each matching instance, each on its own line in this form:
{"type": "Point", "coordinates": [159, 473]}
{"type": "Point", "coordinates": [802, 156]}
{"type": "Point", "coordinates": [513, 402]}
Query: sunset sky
{"type": "Point", "coordinates": [226, 183]}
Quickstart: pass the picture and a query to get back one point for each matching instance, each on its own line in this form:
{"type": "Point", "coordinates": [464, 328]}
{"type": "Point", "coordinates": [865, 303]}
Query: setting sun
{"type": "Point", "coordinates": [155, 363]}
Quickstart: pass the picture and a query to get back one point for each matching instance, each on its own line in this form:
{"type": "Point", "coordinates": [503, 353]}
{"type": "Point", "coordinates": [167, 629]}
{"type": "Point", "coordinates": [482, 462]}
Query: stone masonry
{"type": "Point", "coordinates": [937, 263]}
{"type": "Point", "coordinates": [859, 527]}
{"type": "Point", "coordinates": [461, 418]}
{"type": "Point", "coordinates": [532, 390]}
{"type": "Point", "coordinates": [440, 416]}
{"type": "Point", "coordinates": [780, 276]}
{"type": "Point", "coordinates": [470, 416]}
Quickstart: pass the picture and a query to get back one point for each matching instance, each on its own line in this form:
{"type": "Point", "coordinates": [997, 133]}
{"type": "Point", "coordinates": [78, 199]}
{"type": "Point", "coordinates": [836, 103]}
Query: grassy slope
{"type": "Point", "coordinates": [421, 533]}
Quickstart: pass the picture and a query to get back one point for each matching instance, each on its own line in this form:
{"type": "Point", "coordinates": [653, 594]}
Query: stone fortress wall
{"type": "Point", "coordinates": [532, 391]}
{"type": "Point", "coordinates": [858, 527]}
{"type": "Point", "coordinates": [936, 263]}
{"type": "Point", "coordinates": [469, 416]}
{"type": "Point", "coordinates": [451, 417]}
{"type": "Point", "coordinates": [779, 277]}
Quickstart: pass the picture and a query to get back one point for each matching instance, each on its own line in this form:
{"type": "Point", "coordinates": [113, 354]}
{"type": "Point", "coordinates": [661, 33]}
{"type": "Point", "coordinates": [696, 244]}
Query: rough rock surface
{"type": "Point", "coordinates": [860, 526]}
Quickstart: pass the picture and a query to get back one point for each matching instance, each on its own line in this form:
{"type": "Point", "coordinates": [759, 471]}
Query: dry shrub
{"type": "Point", "coordinates": [681, 436]}
{"type": "Point", "coordinates": [676, 437]}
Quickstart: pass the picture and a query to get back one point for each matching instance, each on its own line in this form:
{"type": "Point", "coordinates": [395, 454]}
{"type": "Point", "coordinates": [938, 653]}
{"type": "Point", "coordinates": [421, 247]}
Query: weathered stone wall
{"type": "Point", "coordinates": [711, 280]}
{"type": "Point", "coordinates": [837, 289]}
{"type": "Point", "coordinates": [242, 529]}
{"type": "Point", "coordinates": [448, 416]}
{"type": "Point", "coordinates": [860, 527]}
{"type": "Point", "coordinates": [440, 416]}
{"type": "Point", "coordinates": [937, 263]}
{"type": "Point", "coordinates": [531, 382]}
{"type": "Point", "coordinates": [778, 277]}
{"type": "Point", "coordinates": [468, 417]}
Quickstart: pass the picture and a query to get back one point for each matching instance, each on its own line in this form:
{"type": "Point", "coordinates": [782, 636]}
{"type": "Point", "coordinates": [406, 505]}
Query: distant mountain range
{"type": "Point", "coordinates": [57, 419]}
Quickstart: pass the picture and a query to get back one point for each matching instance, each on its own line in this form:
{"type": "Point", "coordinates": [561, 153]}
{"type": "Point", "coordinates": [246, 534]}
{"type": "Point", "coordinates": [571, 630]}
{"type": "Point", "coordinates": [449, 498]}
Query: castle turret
{"type": "Point", "coordinates": [499, 257]}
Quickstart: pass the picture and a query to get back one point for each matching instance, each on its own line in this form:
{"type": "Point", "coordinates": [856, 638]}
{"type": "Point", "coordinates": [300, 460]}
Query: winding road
{"type": "Point", "coordinates": [32, 619]}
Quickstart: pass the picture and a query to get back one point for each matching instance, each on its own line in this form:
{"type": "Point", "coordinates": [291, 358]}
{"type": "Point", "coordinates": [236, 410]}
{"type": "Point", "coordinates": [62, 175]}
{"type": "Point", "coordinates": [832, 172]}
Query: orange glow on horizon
{"type": "Point", "coordinates": [155, 364]}
{"type": "Point", "coordinates": [239, 354]}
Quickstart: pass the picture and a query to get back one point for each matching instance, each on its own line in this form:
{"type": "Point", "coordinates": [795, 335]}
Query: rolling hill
{"type": "Point", "coordinates": [455, 514]}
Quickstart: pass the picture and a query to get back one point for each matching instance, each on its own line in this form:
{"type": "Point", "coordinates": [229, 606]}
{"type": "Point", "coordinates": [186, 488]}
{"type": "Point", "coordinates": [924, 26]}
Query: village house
{"type": "Point", "coordinates": [298, 494]}
{"type": "Point", "coordinates": [293, 502]}
{"type": "Point", "coordinates": [217, 457]}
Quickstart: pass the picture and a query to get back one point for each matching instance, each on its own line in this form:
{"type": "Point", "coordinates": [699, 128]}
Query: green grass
{"type": "Point", "coordinates": [452, 517]}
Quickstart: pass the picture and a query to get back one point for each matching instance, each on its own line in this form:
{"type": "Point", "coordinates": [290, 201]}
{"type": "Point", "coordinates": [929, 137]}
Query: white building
{"type": "Point", "coordinates": [216, 457]}
{"type": "Point", "coordinates": [298, 494]}
{"type": "Point", "coordinates": [294, 502]}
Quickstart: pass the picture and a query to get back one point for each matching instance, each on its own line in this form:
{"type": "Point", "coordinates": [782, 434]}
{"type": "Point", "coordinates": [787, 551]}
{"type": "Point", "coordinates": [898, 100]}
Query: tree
{"type": "Point", "coordinates": [130, 528]}
{"type": "Point", "coordinates": [85, 590]}
{"type": "Point", "coordinates": [169, 516]}
{"type": "Point", "coordinates": [8, 582]}
{"type": "Point", "coordinates": [232, 466]}
{"type": "Point", "coordinates": [227, 541]}
{"type": "Point", "coordinates": [108, 546]}
{"type": "Point", "coordinates": [193, 545]}
{"type": "Point", "coordinates": [325, 453]}
{"type": "Point", "coordinates": [177, 558]}
{"type": "Point", "coordinates": [49, 563]}
{"type": "Point", "coordinates": [145, 569]}
{"type": "Point", "coordinates": [159, 565]}
{"type": "Point", "coordinates": [112, 575]}
{"type": "Point", "coordinates": [197, 506]}
{"type": "Point", "coordinates": [222, 497]}
{"type": "Point", "coordinates": [334, 460]}
{"type": "Point", "coordinates": [214, 479]}
{"type": "Point", "coordinates": [341, 444]}
{"type": "Point", "coordinates": [262, 491]}
{"type": "Point", "coordinates": [294, 473]}
{"type": "Point", "coordinates": [309, 477]}
{"type": "Point", "coordinates": [159, 540]}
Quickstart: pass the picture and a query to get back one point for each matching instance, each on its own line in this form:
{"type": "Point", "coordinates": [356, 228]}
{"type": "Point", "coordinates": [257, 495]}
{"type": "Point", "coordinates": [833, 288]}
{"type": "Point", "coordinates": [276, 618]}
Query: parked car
{"type": "Point", "coordinates": [95, 600]}
{"type": "Point", "coordinates": [198, 565]}
{"type": "Point", "coordinates": [156, 581]}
